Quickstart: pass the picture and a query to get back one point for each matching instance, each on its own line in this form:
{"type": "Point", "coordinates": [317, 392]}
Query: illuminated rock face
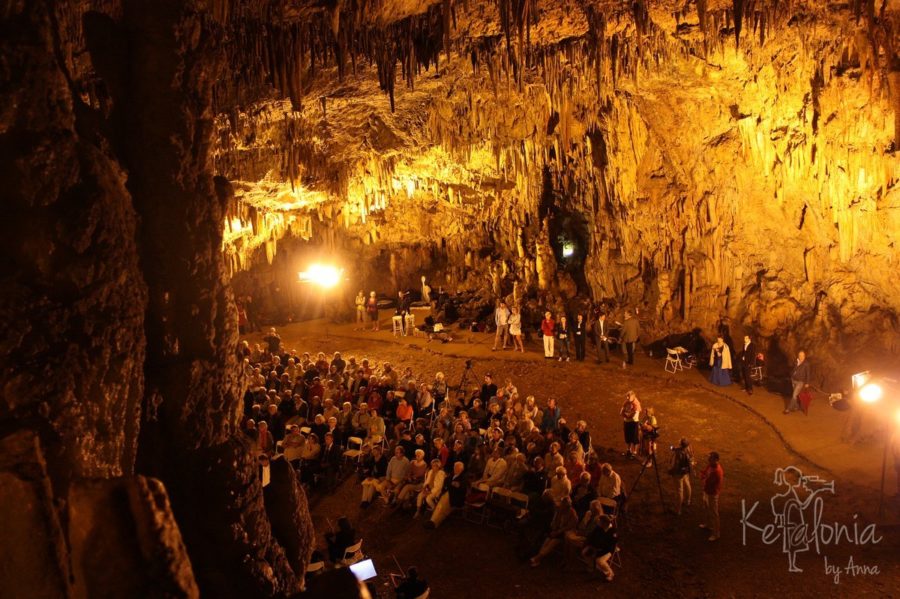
{"type": "Point", "coordinates": [698, 180]}
{"type": "Point", "coordinates": [728, 159]}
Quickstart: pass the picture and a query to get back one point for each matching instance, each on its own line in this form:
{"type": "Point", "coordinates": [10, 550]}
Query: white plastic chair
{"type": "Point", "coordinates": [673, 361]}
{"type": "Point", "coordinates": [352, 554]}
{"type": "Point", "coordinates": [397, 325]}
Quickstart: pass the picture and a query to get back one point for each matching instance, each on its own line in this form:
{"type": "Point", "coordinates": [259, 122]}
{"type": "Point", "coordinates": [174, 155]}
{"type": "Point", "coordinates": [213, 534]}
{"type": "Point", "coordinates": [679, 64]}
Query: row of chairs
{"type": "Point", "coordinates": [678, 358]}
{"type": "Point", "coordinates": [408, 321]}
{"type": "Point", "coordinates": [498, 502]}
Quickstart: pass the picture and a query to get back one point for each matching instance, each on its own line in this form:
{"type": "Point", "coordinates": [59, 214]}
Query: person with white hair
{"type": "Point", "coordinates": [415, 478]}
{"type": "Point", "coordinates": [432, 487]}
{"type": "Point", "coordinates": [560, 485]}
{"type": "Point", "coordinates": [454, 498]}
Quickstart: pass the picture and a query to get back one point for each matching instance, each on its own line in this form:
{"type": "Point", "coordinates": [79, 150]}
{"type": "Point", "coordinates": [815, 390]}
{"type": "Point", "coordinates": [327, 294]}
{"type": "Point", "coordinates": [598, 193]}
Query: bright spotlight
{"type": "Point", "coordinates": [568, 249]}
{"type": "Point", "coordinates": [323, 275]}
{"type": "Point", "coordinates": [897, 417]}
{"type": "Point", "coordinates": [870, 393]}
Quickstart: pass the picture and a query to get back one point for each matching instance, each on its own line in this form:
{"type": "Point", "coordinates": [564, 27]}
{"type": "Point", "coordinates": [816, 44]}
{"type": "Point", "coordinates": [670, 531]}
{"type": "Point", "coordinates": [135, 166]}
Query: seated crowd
{"type": "Point", "coordinates": [419, 447]}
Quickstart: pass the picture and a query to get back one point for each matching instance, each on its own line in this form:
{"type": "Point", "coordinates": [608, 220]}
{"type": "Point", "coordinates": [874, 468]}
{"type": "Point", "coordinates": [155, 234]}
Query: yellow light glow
{"type": "Point", "coordinates": [323, 275]}
{"type": "Point", "coordinates": [870, 393]}
{"type": "Point", "coordinates": [897, 417]}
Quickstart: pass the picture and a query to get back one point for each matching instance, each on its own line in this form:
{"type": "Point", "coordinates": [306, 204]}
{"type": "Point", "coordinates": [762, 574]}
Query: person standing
{"type": "Point", "coordinates": [630, 334]}
{"type": "Point", "coordinates": [501, 320]}
{"type": "Point", "coordinates": [747, 361]}
{"type": "Point", "coordinates": [548, 330]}
{"type": "Point", "coordinates": [372, 310]}
{"type": "Point", "coordinates": [631, 416]}
{"type": "Point", "coordinates": [515, 329]}
{"type": "Point", "coordinates": [799, 382]}
{"type": "Point", "coordinates": [601, 339]}
{"type": "Point", "coordinates": [682, 464]}
{"type": "Point", "coordinates": [273, 342]}
{"type": "Point", "coordinates": [579, 334]}
{"type": "Point", "coordinates": [720, 360]}
{"type": "Point", "coordinates": [712, 477]}
{"type": "Point", "coordinates": [563, 334]}
{"type": "Point", "coordinates": [360, 308]}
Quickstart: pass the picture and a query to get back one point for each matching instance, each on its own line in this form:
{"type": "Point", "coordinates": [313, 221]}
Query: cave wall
{"type": "Point", "coordinates": [688, 139]}
{"type": "Point", "coordinates": [120, 387]}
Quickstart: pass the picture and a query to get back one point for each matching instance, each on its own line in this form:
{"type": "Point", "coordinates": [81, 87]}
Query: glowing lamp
{"type": "Point", "coordinates": [897, 417]}
{"type": "Point", "coordinates": [870, 393]}
{"type": "Point", "coordinates": [568, 250]}
{"type": "Point", "coordinates": [323, 275]}
{"type": "Point", "coordinates": [860, 378]}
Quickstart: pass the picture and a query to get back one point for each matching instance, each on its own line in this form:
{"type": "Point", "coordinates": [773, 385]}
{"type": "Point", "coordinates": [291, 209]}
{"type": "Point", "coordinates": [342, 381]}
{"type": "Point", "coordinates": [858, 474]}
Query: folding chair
{"type": "Point", "coordinates": [352, 554]}
{"type": "Point", "coordinates": [673, 361]}
{"type": "Point", "coordinates": [474, 510]}
{"type": "Point", "coordinates": [397, 326]}
{"type": "Point", "coordinates": [351, 453]}
{"type": "Point", "coordinates": [305, 430]}
{"type": "Point", "coordinates": [612, 504]}
{"type": "Point", "coordinates": [520, 502]}
{"type": "Point", "coordinates": [500, 504]}
{"type": "Point", "coordinates": [616, 559]}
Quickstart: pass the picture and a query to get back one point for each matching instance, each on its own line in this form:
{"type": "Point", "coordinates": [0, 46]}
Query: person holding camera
{"type": "Point", "coordinates": [682, 465]}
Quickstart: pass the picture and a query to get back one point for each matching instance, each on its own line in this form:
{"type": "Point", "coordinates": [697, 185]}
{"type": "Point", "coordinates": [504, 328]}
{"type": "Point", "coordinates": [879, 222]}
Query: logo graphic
{"type": "Point", "coordinates": [797, 518]}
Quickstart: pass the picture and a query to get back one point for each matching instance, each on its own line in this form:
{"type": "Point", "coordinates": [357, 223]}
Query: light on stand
{"type": "Point", "coordinates": [568, 249]}
{"type": "Point", "coordinates": [870, 393]}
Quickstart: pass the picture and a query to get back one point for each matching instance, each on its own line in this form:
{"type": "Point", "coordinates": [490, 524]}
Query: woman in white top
{"type": "Point", "coordinates": [515, 329]}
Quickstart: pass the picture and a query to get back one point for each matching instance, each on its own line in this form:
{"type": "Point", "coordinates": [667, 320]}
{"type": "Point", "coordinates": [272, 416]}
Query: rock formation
{"type": "Point", "coordinates": [708, 160]}
{"type": "Point", "coordinates": [700, 160]}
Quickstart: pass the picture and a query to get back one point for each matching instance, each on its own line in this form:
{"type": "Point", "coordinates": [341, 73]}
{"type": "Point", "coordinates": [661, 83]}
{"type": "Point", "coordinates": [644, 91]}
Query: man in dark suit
{"type": "Point", "coordinates": [579, 332]}
{"type": "Point", "coordinates": [330, 462]}
{"type": "Point", "coordinates": [747, 360]}
{"type": "Point", "coordinates": [601, 330]}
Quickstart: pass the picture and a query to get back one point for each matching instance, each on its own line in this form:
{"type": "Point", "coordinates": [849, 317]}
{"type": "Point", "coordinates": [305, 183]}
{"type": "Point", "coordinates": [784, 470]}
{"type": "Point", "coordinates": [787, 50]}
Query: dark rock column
{"type": "Point", "coordinates": [193, 384]}
{"type": "Point", "coordinates": [73, 298]}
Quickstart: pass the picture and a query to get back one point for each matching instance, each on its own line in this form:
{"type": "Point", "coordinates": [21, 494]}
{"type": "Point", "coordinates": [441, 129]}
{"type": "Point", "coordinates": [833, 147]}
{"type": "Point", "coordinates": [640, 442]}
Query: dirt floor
{"type": "Point", "coordinates": [663, 555]}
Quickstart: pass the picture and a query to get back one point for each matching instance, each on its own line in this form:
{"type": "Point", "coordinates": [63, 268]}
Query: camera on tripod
{"type": "Point", "coordinates": [652, 434]}
{"type": "Point", "coordinates": [468, 364]}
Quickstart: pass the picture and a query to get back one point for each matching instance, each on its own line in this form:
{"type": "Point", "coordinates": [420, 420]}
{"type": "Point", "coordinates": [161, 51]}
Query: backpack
{"type": "Point", "coordinates": [682, 464]}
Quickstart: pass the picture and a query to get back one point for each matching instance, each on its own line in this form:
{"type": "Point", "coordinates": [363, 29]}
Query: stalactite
{"type": "Point", "coordinates": [738, 15]}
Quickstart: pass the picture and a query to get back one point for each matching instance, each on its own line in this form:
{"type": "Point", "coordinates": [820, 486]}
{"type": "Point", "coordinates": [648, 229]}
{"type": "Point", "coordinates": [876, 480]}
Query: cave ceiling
{"type": "Point", "coordinates": [728, 158]}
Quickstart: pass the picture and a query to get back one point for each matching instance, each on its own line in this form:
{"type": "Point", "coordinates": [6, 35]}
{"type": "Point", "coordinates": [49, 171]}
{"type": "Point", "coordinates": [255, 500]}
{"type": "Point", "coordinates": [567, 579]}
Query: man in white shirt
{"type": "Point", "coordinates": [610, 483]}
{"type": "Point", "coordinates": [494, 470]}
{"type": "Point", "coordinates": [397, 470]}
{"type": "Point", "coordinates": [501, 319]}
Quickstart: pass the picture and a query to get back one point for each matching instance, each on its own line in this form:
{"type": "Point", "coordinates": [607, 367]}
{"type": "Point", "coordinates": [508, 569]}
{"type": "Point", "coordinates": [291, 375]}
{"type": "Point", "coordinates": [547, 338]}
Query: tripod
{"type": "Point", "coordinates": [468, 375]}
{"type": "Point", "coordinates": [651, 459]}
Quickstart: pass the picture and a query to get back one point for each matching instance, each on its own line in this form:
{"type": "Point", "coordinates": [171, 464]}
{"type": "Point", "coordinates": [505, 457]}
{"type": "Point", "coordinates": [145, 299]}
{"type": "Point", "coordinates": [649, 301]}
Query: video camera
{"type": "Point", "coordinates": [652, 434]}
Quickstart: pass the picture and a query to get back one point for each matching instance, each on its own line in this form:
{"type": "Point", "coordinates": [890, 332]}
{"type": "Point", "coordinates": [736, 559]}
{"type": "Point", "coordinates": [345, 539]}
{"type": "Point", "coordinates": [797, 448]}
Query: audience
{"type": "Point", "coordinates": [445, 446]}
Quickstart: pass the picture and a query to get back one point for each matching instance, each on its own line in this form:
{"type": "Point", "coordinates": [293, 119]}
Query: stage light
{"type": "Point", "coordinates": [860, 378]}
{"type": "Point", "coordinates": [870, 393]}
{"type": "Point", "coordinates": [568, 250]}
{"type": "Point", "coordinates": [325, 276]}
{"type": "Point", "coordinates": [897, 417]}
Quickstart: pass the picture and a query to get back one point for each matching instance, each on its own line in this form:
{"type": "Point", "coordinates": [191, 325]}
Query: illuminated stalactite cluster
{"type": "Point", "coordinates": [726, 117]}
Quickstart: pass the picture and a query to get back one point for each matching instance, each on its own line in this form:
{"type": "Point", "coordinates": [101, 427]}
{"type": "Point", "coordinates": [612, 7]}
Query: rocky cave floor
{"type": "Point", "coordinates": [663, 556]}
